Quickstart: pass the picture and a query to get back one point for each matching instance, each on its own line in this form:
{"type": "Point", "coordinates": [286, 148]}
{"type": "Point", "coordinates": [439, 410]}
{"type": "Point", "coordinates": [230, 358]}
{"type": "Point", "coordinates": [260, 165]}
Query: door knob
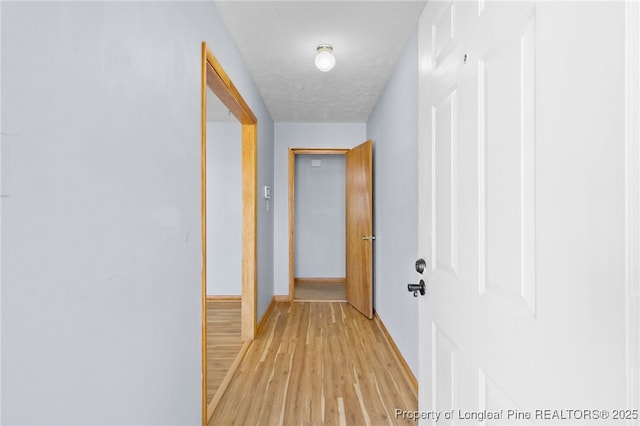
{"type": "Point", "coordinates": [415, 288]}
{"type": "Point", "coordinates": [421, 265]}
{"type": "Point", "coordinates": [369, 237]}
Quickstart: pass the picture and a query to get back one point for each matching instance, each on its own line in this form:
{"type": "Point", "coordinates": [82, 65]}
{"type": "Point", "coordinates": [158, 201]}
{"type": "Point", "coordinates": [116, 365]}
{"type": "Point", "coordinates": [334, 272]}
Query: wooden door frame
{"type": "Point", "coordinates": [214, 77]}
{"type": "Point", "coordinates": [292, 169]}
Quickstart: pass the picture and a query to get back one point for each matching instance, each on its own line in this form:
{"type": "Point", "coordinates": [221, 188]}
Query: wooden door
{"type": "Point", "coordinates": [524, 161]}
{"type": "Point", "coordinates": [359, 228]}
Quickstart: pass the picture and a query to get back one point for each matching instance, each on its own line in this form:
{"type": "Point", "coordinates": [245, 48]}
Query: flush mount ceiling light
{"type": "Point", "coordinates": [325, 59]}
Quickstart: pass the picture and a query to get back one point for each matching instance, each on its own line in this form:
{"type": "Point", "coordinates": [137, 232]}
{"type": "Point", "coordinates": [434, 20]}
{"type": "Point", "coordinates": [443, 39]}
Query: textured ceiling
{"type": "Point", "coordinates": [278, 41]}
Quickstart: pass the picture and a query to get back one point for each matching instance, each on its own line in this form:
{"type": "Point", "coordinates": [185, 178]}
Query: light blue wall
{"type": "Point", "coordinates": [265, 210]}
{"type": "Point", "coordinates": [300, 135]}
{"type": "Point", "coordinates": [393, 126]}
{"type": "Point", "coordinates": [224, 209]}
{"type": "Point", "coordinates": [101, 224]}
{"type": "Point", "coordinates": [320, 216]}
{"type": "Point", "coordinates": [224, 48]}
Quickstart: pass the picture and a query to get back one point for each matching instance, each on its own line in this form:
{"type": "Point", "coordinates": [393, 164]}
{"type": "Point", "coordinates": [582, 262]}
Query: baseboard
{"type": "Point", "coordinates": [224, 298]}
{"type": "Point", "coordinates": [227, 379]}
{"type": "Point", "coordinates": [319, 280]}
{"type": "Point", "coordinates": [281, 298]}
{"type": "Point", "coordinates": [411, 379]}
{"type": "Point", "coordinates": [263, 320]}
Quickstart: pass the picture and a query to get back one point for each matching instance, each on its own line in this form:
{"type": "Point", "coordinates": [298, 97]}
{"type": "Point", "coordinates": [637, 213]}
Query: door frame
{"type": "Point", "coordinates": [292, 169]}
{"type": "Point", "coordinates": [214, 77]}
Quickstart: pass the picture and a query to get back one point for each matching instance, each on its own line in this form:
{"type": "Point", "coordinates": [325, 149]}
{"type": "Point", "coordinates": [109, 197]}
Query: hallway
{"type": "Point", "coordinates": [317, 363]}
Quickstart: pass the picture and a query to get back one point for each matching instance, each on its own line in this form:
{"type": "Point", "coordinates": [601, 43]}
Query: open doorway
{"type": "Point", "coordinates": [224, 242]}
{"type": "Point", "coordinates": [358, 225]}
{"type": "Point", "coordinates": [319, 223]}
{"type": "Point", "coordinates": [227, 106]}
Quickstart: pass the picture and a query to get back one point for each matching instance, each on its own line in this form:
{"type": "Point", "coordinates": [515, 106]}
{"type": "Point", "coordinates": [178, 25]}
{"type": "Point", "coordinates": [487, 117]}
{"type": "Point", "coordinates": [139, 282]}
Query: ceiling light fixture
{"type": "Point", "coordinates": [325, 59]}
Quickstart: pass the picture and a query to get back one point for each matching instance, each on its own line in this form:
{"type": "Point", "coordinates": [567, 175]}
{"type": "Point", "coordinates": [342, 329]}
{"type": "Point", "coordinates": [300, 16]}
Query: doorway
{"type": "Point", "coordinates": [358, 225]}
{"type": "Point", "coordinates": [319, 221]}
{"type": "Point", "coordinates": [224, 243]}
{"type": "Point", "coordinates": [217, 86]}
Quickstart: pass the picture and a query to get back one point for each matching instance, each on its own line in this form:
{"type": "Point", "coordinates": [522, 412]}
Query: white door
{"type": "Point", "coordinates": [528, 212]}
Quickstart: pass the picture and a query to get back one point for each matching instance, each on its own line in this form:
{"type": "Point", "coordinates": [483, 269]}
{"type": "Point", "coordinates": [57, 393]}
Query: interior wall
{"type": "Point", "coordinates": [264, 208]}
{"type": "Point", "coordinates": [3, 171]}
{"type": "Point", "coordinates": [300, 135]}
{"type": "Point", "coordinates": [319, 216]}
{"type": "Point", "coordinates": [224, 209]}
{"type": "Point", "coordinates": [393, 126]}
{"type": "Point", "coordinates": [101, 319]}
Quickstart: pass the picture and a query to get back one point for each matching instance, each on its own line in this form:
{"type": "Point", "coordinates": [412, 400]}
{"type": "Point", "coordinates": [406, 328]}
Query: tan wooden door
{"type": "Point", "coordinates": [359, 228]}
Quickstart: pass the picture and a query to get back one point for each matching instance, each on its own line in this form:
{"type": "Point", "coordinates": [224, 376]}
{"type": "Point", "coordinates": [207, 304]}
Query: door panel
{"type": "Point", "coordinates": [522, 209]}
{"type": "Point", "coordinates": [359, 217]}
{"type": "Point", "coordinates": [506, 162]}
{"type": "Point", "coordinates": [444, 166]}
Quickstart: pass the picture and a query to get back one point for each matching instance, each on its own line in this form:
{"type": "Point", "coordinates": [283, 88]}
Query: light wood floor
{"type": "Point", "coordinates": [320, 291]}
{"type": "Point", "coordinates": [317, 363]}
{"type": "Point", "coordinates": [223, 341]}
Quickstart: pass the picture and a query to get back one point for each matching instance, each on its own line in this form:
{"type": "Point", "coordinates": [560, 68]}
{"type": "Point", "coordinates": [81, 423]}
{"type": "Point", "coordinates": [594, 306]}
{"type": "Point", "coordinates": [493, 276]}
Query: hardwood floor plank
{"type": "Point", "coordinates": [224, 341]}
{"type": "Point", "coordinates": [317, 363]}
{"type": "Point", "coordinates": [341, 416]}
{"type": "Point", "coordinates": [315, 291]}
